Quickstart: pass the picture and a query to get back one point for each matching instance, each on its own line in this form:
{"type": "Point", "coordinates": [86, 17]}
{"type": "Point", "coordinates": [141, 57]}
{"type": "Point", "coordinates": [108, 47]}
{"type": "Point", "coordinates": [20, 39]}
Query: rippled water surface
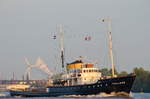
{"type": "Point", "coordinates": [101, 96]}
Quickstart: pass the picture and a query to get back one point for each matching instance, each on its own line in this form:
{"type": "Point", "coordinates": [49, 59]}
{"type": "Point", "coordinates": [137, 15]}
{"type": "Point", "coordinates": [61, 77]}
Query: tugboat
{"type": "Point", "coordinates": [80, 78]}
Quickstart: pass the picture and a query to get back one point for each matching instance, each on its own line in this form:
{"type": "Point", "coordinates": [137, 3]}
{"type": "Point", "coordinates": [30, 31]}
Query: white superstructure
{"type": "Point", "coordinates": [79, 72]}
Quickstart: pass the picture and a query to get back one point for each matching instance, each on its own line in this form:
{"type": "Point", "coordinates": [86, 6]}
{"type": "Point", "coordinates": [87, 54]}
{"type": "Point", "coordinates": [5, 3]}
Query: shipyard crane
{"type": "Point", "coordinates": [39, 64]}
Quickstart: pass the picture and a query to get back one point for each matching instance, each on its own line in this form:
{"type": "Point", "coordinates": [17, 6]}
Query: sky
{"type": "Point", "coordinates": [27, 28]}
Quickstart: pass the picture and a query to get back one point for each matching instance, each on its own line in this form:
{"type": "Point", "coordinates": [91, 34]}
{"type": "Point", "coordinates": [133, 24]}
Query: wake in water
{"type": "Point", "coordinates": [101, 95]}
{"type": "Point", "coordinates": [113, 94]}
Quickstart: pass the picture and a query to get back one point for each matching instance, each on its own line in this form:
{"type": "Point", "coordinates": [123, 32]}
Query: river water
{"type": "Point", "coordinates": [101, 96]}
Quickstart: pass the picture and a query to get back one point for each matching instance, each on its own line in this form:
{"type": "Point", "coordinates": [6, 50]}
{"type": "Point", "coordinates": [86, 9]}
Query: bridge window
{"type": "Point", "coordinates": [84, 71]}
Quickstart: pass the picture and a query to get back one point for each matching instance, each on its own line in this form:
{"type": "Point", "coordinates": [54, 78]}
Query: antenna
{"type": "Point", "coordinates": [109, 26]}
{"type": "Point", "coordinates": [61, 31]}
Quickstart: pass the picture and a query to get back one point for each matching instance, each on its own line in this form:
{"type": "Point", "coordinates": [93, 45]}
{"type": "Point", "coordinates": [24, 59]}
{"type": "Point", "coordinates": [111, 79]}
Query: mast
{"type": "Point", "coordinates": [109, 26]}
{"type": "Point", "coordinates": [61, 31]}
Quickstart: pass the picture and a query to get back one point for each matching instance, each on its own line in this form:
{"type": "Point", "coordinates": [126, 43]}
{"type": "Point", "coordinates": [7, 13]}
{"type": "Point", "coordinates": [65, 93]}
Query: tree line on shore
{"type": "Point", "coordinates": [142, 81]}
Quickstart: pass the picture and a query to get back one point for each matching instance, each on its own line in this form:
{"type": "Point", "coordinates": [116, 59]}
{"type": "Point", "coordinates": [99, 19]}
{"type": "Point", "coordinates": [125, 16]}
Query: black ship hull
{"type": "Point", "coordinates": [117, 84]}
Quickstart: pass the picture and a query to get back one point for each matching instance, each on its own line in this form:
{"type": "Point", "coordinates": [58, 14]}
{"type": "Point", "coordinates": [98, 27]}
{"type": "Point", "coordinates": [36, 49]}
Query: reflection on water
{"type": "Point", "coordinates": [121, 95]}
